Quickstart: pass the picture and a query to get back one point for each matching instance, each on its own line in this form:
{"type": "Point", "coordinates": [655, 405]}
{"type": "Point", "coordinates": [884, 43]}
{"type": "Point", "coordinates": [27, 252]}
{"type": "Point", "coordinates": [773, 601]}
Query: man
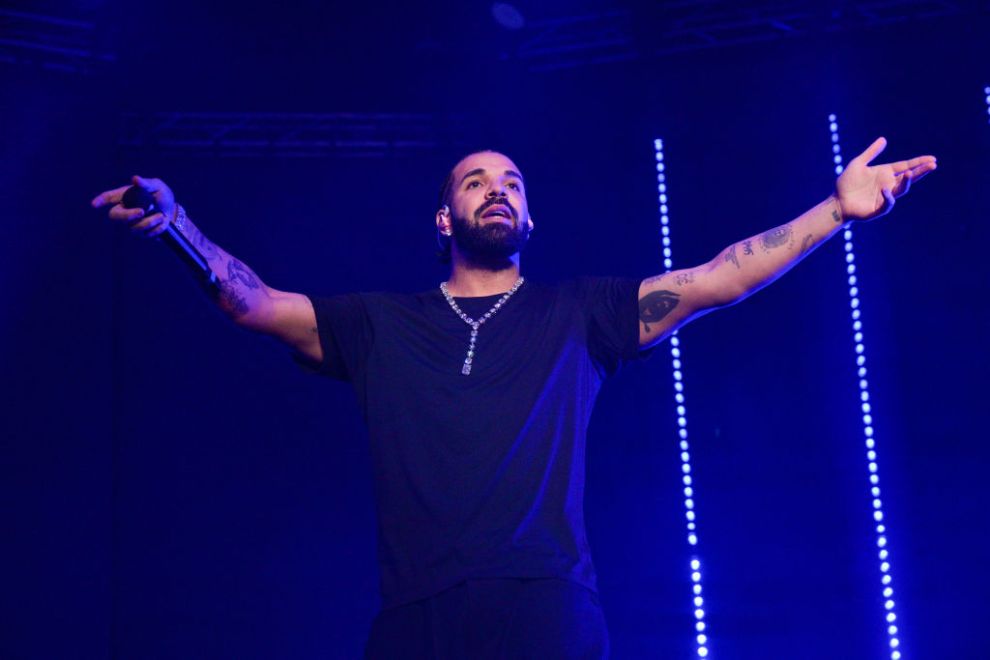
{"type": "Point", "coordinates": [478, 395]}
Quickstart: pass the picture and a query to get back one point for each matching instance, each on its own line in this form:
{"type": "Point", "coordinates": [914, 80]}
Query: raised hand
{"type": "Point", "coordinates": [869, 191]}
{"type": "Point", "coordinates": [154, 224]}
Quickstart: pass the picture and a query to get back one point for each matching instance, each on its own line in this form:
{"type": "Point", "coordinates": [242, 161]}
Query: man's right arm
{"type": "Point", "coordinates": [243, 296]}
{"type": "Point", "coordinates": [252, 304]}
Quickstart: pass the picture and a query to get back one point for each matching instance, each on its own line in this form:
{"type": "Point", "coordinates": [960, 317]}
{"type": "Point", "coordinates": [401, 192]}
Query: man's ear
{"type": "Point", "coordinates": [443, 220]}
{"type": "Point", "coordinates": [530, 221]}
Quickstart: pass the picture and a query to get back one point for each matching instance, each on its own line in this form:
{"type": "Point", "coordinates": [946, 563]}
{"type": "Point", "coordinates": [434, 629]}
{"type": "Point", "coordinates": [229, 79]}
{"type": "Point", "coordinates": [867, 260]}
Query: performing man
{"type": "Point", "coordinates": [478, 394]}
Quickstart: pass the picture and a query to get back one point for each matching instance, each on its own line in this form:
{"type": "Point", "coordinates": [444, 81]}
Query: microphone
{"type": "Point", "coordinates": [136, 197]}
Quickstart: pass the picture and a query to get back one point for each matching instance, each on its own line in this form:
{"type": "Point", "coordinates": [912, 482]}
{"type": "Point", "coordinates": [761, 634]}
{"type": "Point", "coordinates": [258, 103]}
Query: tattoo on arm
{"type": "Point", "coordinates": [656, 305]}
{"type": "Point", "coordinates": [806, 243]}
{"type": "Point", "coordinates": [238, 272]}
{"type": "Point", "coordinates": [205, 246]}
{"type": "Point", "coordinates": [654, 280]}
{"type": "Point", "coordinates": [198, 239]}
{"type": "Point", "coordinates": [748, 247]}
{"type": "Point", "coordinates": [836, 216]}
{"type": "Point", "coordinates": [232, 300]}
{"type": "Point", "coordinates": [776, 237]}
{"type": "Point", "coordinates": [687, 277]}
{"type": "Point", "coordinates": [730, 255]}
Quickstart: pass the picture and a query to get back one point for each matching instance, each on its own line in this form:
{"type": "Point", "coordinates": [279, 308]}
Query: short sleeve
{"type": "Point", "coordinates": [611, 309]}
{"type": "Point", "coordinates": [346, 336]}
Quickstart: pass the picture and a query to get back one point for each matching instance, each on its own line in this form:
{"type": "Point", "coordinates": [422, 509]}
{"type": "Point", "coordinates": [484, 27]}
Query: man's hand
{"type": "Point", "coordinates": [866, 192]}
{"type": "Point", "coordinates": [154, 224]}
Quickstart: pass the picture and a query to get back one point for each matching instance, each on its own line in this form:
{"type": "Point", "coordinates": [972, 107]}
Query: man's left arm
{"type": "Point", "coordinates": [863, 192]}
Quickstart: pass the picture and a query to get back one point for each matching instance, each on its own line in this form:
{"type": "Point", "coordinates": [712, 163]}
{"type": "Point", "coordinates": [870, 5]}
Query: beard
{"type": "Point", "coordinates": [491, 243]}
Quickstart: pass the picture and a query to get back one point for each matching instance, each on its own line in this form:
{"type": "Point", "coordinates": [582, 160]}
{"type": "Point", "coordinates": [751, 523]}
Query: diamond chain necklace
{"type": "Point", "coordinates": [466, 369]}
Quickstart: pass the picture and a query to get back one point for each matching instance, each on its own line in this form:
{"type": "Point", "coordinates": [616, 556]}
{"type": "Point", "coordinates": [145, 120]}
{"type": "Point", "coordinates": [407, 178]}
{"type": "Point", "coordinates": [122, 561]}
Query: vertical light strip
{"type": "Point", "coordinates": [864, 396]}
{"type": "Point", "coordinates": [986, 93]}
{"type": "Point", "coordinates": [698, 602]}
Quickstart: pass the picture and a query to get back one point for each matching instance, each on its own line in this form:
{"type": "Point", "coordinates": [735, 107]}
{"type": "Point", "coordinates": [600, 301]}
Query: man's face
{"type": "Point", "coordinates": [488, 211]}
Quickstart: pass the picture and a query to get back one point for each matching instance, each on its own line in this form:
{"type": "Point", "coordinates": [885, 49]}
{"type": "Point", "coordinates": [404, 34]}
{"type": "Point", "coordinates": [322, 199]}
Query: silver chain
{"type": "Point", "coordinates": [469, 360]}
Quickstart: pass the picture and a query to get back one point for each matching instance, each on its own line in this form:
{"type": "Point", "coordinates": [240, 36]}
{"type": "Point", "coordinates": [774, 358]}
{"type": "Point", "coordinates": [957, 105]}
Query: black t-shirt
{"type": "Point", "coordinates": [479, 475]}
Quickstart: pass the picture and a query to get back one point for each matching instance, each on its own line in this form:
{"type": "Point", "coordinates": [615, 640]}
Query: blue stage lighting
{"type": "Point", "coordinates": [864, 397]}
{"type": "Point", "coordinates": [681, 408]}
{"type": "Point", "coordinates": [986, 91]}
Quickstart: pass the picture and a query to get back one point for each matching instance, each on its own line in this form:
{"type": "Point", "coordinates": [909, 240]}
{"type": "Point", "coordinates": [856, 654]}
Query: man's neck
{"type": "Point", "coordinates": [470, 281]}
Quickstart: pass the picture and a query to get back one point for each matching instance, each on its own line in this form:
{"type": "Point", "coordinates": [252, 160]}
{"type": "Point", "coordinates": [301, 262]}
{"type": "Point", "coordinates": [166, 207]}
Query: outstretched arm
{"type": "Point", "coordinates": [863, 192]}
{"type": "Point", "coordinates": [243, 296]}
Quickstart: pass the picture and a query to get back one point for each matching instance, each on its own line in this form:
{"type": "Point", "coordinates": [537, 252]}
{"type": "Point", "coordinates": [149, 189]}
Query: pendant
{"type": "Point", "coordinates": [466, 369]}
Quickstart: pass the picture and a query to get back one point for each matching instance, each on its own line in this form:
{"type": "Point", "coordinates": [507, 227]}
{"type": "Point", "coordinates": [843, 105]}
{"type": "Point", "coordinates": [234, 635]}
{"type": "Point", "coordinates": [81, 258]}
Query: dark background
{"type": "Point", "coordinates": [173, 487]}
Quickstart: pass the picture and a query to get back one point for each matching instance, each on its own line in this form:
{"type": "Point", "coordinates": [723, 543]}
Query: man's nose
{"type": "Point", "coordinates": [496, 189]}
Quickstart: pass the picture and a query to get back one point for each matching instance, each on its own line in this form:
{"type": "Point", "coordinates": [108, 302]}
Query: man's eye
{"type": "Point", "coordinates": [514, 185]}
{"type": "Point", "coordinates": [473, 184]}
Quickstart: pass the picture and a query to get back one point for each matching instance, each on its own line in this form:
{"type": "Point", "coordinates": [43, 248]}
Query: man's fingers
{"type": "Point", "coordinates": [121, 214]}
{"type": "Point", "coordinates": [920, 171]}
{"type": "Point", "coordinates": [151, 185]}
{"type": "Point", "coordinates": [109, 197]}
{"type": "Point", "coordinates": [889, 196]}
{"type": "Point", "coordinates": [904, 184]}
{"type": "Point", "coordinates": [908, 176]}
{"type": "Point", "coordinates": [146, 225]}
{"type": "Point", "coordinates": [158, 230]}
{"type": "Point", "coordinates": [872, 151]}
{"type": "Point", "coordinates": [902, 165]}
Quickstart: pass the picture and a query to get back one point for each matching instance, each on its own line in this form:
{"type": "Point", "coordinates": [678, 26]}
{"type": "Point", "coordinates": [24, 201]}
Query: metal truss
{"type": "Point", "coordinates": [573, 41]}
{"type": "Point", "coordinates": [291, 135]}
{"type": "Point", "coordinates": [686, 25]}
{"type": "Point", "coordinates": [50, 42]}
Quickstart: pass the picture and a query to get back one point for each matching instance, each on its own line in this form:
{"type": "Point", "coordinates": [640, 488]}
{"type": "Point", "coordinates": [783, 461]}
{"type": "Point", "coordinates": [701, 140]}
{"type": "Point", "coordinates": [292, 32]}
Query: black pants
{"type": "Point", "coordinates": [494, 618]}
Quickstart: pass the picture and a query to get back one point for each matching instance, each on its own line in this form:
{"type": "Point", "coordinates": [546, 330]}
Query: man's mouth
{"type": "Point", "coordinates": [497, 211]}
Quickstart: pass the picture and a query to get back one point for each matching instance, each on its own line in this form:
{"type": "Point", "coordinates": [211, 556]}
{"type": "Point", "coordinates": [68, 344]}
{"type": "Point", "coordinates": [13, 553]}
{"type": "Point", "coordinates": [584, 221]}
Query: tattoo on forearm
{"type": "Point", "coordinates": [656, 305]}
{"type": "Point", "coordinates": [201, 242]}
{"type": "Point", "coordinates": [807, 243]}
{"type": "Point", "coordinates": [650, 281]}
{"type": "Point", "coordinates": [232, 300]}
{"type": "Point", "coordinates": [206, 246]}
{"type": "Point", "coordinates": [776, 237]}
{"type": "Point", "coordinates": [238, 272]}
{"type": "Point", "coordinates": [730, 255]}
{"type": "Point", "coordinates": [748, 247]}
{"type": "Point", "coordinates": [687, 277]}
{"type": "Point", "coordinates": [836, 215]}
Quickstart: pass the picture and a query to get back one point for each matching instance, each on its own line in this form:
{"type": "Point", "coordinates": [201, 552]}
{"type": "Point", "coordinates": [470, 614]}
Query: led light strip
{"type": "Point", "coordinates": [986, 92]}
{"type": "Point", "coordinates": [700, 626]}
{"type": "Point", "coordinates": [864, 396]}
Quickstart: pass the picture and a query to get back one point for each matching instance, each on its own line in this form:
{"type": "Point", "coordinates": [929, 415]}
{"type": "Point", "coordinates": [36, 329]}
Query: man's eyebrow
{"type": "Point", "coordinates": [481, 170]}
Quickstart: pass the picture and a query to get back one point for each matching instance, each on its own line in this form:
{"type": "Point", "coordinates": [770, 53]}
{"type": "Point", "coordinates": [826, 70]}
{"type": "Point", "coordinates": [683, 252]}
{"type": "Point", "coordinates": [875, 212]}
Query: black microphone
{"type": "Point", "coordinates": [136, 197]}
